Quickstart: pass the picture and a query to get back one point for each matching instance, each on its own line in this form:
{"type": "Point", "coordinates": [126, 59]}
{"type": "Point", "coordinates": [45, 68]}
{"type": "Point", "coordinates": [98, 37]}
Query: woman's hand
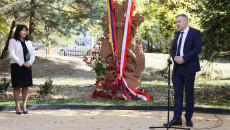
{"type": "Point", "coordinates": [26, 64]}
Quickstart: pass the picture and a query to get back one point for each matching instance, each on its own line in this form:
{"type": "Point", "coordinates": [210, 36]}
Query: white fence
{"type": "Point", "coordinates": [45, 53]}
{"type": "Point", "coordinates": [83, 46]}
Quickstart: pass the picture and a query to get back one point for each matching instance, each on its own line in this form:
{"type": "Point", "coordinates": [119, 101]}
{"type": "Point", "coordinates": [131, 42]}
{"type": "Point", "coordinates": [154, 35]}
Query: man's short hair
{"type": "Point", "coordinates": [182, 15]}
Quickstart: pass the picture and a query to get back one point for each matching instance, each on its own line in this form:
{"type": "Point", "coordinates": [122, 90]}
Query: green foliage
{"type": "Point", "coordinates": [215, 25]}
{"type": "Point", "coordinates": [4, 27]}
{"type": "Point", "coordinates": [99, 65]}
{"type": "Point", "coordinates": [159, 27]}
{"type": "Point", "coordinates": [64, 18]}
{"type": "Point", "coordinates": [56, 18]}
{"type": "Point", "coordinates": [47, 88]}
{"type": "Point", "coordinates": [96, 63]}
{"type": "Point", "coordinates": [4, 85]}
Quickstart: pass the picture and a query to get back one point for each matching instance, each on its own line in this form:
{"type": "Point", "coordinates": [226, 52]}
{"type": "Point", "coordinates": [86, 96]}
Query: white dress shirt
{"type": "Point", "coordinates": [183, 40]}
{"type": "Point", "coordinates": [16, 52]}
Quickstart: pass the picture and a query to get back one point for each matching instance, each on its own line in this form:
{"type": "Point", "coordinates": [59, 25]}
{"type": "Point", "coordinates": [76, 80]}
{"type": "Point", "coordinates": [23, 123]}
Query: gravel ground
{"type": "Point", "coordinates": [101, 120]}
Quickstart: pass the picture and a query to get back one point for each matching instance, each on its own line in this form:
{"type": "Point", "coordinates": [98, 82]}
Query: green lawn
{"type": "Point", "coordinates": [212, 86]}
{"type": "Point", "coordinates": [207, 94]}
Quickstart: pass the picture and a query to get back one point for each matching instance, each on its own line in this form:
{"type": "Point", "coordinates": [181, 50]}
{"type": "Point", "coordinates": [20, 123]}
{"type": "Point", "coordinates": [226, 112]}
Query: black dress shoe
{"type": "Point", "coordinates": [25, 112]}
{"type": "Point", "coordinates": [19, 113]}
{"type": "Point", "coordinates": [189, 123]}
{"type": "Point", "coordinates": [173, 123]}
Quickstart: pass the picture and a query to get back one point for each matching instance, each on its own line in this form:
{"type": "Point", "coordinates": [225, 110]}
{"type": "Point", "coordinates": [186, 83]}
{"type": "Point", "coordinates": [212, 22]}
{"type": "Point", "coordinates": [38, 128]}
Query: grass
{"type": "Point", "coordinates": [103, 102]}
{"type": "Point", "coordinates": [93, 102]}
{"type": "Point", "coordinates": [208, 93]}
{"type": "Point", "coordinates": [212, 86]}
{"type": "Point", "coordinates": [214, 94]}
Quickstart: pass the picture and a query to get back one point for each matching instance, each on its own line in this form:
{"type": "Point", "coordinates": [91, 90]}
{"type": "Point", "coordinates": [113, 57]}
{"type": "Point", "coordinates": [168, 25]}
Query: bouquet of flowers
{"type": "Point", "coordinates": [97, 64]}
{"type": "Point", "coordinates": [104, 85]}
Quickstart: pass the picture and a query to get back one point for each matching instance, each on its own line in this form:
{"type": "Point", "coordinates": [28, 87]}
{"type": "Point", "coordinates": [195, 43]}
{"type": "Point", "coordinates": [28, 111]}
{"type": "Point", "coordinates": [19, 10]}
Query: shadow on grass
{"type": "Point", "coordinates": [74, 92]}
{"type": "Point", "coordinates": [151, 74]}
{"type": "Point", "coordinates": [205, 95]}
{"type": "Point", "coordinates": [44, 67]}
{"type": "Point", "coordinates": [212, 96]}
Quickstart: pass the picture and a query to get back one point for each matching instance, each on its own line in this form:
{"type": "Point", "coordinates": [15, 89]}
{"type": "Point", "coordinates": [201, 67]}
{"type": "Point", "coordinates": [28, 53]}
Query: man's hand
{"type": "Point", "coordinates": [179, 59]}
{"type": "Point", "coordinates": [26, 64]}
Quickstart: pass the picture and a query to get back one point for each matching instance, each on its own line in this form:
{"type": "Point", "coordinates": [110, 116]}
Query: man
{"type": "Point", "coordinates": [185, 49]}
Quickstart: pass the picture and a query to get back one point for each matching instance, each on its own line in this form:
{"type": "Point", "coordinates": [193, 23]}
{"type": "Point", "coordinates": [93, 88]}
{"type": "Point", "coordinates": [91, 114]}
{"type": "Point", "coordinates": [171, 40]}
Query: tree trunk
{"type": "Point", "coordinates": [148, 49]}
{"type": "Point", "coordinates": [47, 37]}
{"type": "Point", "coordinates": [4, 52]}
{"type": "Point", "coordinates": [32, 17]}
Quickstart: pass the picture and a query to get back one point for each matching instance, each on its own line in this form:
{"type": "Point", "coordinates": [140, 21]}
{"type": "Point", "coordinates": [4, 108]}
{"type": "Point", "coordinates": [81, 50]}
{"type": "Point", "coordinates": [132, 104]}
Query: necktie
{"type": "Point", "coordinates": [179, 46]}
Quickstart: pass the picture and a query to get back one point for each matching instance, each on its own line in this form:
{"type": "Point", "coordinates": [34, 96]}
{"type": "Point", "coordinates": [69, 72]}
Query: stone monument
{"type": "Point", "coordinates": [135, 64]}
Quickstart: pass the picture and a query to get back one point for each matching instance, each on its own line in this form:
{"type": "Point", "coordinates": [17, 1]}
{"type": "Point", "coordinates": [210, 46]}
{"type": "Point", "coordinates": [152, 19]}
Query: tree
{"type": "Point", "coordinates": [159, 27]}
{"type": "Point", "coordinates": [32, 18]}
{"type": "Point", "coordinates": [215, 26]}
{"type": "Point", "coordinates": [4, 27]}
{"type": "Point", "coordinates": [14, 11]}
{"type": "Point", "coordinates": [49, 19]}
{"type": "Point", "coordinates": [4, 52]}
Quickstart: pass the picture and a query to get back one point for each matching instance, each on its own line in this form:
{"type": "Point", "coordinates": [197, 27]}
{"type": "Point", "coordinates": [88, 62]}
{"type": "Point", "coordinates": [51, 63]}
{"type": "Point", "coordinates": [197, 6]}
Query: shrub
{"type": "Point", "coordinates": [47, 88]}
{"type": "Point", "coordinates": [4, 85]}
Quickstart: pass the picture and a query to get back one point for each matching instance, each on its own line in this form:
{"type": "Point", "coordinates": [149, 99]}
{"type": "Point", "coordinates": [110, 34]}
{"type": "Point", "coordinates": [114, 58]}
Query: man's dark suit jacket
{"type": "Point", "coordinates": [192, 47]}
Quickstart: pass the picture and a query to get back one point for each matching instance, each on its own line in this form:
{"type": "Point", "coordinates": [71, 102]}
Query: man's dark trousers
{"type": "Point", "coordinates": [183, 81]}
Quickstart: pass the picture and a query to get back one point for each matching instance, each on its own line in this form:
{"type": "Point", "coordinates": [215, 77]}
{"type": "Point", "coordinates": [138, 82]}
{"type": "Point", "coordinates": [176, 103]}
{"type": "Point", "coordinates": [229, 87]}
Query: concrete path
{"type": "Point", "coordinates": [102, 120]}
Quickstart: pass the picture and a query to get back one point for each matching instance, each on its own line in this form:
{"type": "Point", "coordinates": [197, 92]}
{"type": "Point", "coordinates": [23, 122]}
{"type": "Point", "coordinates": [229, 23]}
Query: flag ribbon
{"type": "Point", "coordinates": [113, 34]}
{"type": "Point", "coordinates": [120, 80]}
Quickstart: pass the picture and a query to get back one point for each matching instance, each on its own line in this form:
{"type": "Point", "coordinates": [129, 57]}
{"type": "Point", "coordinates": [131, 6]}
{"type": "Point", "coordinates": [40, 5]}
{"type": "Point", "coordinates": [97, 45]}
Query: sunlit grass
{"type": "Point", "coordinates": [215, 82]}
{"type": "Point", "coordinates": [77, 89]}
{"type": "Point", "coordinates": [105, 102]}
{"type": "Point", "coordinates": [97, 101]}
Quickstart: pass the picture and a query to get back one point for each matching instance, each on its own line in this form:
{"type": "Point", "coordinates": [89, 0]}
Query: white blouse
{"type": "Point", "coordinates": [16, 52]}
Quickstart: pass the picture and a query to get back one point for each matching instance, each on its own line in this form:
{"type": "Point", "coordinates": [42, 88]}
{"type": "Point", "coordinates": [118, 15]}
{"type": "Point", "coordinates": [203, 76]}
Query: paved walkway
{"type": "Point", "coordinates": [101, 120]}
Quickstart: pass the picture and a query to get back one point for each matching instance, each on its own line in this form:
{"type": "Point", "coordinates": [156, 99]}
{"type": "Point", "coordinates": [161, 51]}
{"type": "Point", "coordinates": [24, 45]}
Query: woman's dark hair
{"type": "Point", "coordinates": [18, 30]}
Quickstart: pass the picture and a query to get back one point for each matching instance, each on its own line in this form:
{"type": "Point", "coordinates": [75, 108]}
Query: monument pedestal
{"type": "Point", "coordinates": [133, 82]}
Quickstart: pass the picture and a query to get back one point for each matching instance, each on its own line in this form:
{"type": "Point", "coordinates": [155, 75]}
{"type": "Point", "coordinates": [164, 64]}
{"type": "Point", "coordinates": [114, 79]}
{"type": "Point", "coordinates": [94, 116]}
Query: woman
{"type": "Point", "coordinates": [22, 57]}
